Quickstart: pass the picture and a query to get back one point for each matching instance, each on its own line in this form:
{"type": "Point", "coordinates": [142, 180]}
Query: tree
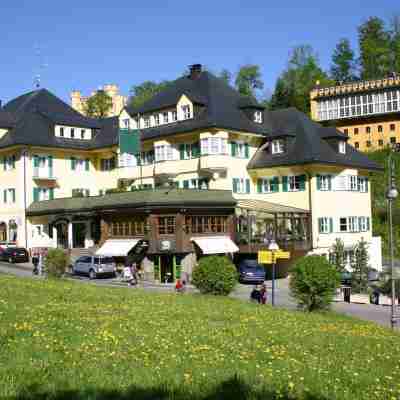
{"type": "Point", "coordinates": [98, 105]}
{"type": "Point", "coordinates": [226, 76]}
{"type": "Point", "coordinates": [343, 63]}
{"type": "Point", "coordinates": [374, 43]}
{"type": "Point", "coordinates": [313, 282]}
{"type": "Point", "coordinates": [337, 256]}
{"type": "Point", "coordinates": [395, 44]}
{"type": "Point", "coordinates": [139, 94]}
{"type": "Point", "coordinates": [361, 268]}
{"type": "Point", "coordinates": [56, 263]}
{"type": "Point", "coordinates": [295, 83]}
{"type": "Point", "coordinates": [248, 80]}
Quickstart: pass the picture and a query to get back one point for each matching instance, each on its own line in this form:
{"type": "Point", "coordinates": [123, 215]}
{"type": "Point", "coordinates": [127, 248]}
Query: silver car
{"type": "Point", "coordinates": [94, 266]}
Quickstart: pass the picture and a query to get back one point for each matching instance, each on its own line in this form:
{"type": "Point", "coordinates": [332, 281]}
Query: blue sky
{"type": "Point", "coordinates": [88, 43]}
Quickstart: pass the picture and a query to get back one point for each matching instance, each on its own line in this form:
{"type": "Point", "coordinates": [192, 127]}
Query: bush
{"type": "Point", "coordinates": [313, 282]}
{"type": "Point", "coordinates": [56, 263]}
{"type": "Point", "coordinates": [215, 275]}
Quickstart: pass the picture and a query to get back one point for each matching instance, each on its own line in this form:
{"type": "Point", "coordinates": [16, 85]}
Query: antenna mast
{"type": "Point", "coordinates": [41, 65]}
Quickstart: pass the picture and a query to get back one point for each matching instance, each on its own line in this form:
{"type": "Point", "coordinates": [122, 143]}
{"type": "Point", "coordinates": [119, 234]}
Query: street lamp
{"type": "Point", "coordinates": [273, 247]}
{"type": "Point", "coordinates": [391, 195]}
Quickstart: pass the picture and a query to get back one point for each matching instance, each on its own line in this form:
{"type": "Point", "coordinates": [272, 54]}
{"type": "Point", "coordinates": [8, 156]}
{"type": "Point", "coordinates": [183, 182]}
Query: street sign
{"type": "Point", "coordinates": [282, 254]}
{"type": "Point", "coordinates": [264, 257]}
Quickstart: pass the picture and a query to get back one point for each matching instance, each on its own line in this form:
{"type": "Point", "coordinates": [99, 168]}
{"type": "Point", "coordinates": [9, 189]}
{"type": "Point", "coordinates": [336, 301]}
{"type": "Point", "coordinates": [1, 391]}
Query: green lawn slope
{"type": "Point", "coordinates": [68, 340]}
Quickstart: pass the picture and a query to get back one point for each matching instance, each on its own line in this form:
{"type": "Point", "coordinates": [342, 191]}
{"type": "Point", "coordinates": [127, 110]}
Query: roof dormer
{"type": "Point", "coordinates": [253, 110]}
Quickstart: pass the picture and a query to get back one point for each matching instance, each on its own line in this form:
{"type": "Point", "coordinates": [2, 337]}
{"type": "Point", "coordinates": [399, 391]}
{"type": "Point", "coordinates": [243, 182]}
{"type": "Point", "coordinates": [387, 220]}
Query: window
{"type": "Point", "coordinates": [241, 185]}
{"type": "Point", "coordinates": [362, 184]}
{"type": "Point", "coordinates": [368, 143]}
{"type": "Point", "coordinates": [9, 163]}
{"type": "Point", "coordinates": [380, 142]}
{"type": "Point", "coordinates": [62, 132]}
{"type": "Point", "coordinates": [293, 183]}
{"type": "Point", "coordinates": [166, 225]}
{"type": "Point", "coordinates": [165, 117]}
{"type": "Point", "coordinates": [368, 129]}
{"type": "Point", "coordinates": [353, 183]}
{"type": "Point", "coordinates": [206, 224]}
{"type": "Point", "coordinates": [325, 225]}
{"type": "Point", "coordinates": [363, 224]}
{"type": "Point", "coordinates": [258, 117]}
{"type": "Point", "coordinates": [147, 157]}
{"type": "Point", "coordinates": [9, 196]}
{"type": "Point", "coordinates": [82, 133]}
{"type": "Point", "coordinates": [213, 145]}
{"type": "Point", "coordinates": [156, 120]}
{"type": "Point", "coordinates": [343, 225]}
{"type": "Point", "coordinates": [146, 122]}
{"type": "Point", "coordinates": [240, 149]}
{"type": "Point", "coordinates": [189, 150]}
{"type": "Point", "coordinates": [107, 164]}
{"type": "Point", "coordinates": [268, 185]}
{"type": "Point", "coordinates": [72, 133]}
{"type": "Point", "coordinates": [164, 153]}
{"type": "Point", "coordinates": [278, 146]}
{"type": "Point", "coordinates": [356, 131]}
{"type": "Point", "coordinates": [198, 183]}
{"type": "Point", "coordinates": [324, 182]}
{"type": "Point", "coordinates": [186, 112]}
{"type": "Point", "coordinates": [174, 116]}
{"type": "Point", "coordinates": [346, 132]}
{"type": "Point", "coordinates": [80, 192]}
{"type": "Point", "coordinates": [356, 145]}
{"type": "Point", "coordinates": [392, 140]}
{"type": "Point", "coordinates": [342, 147]}
{"type": "Point", "coordinates": [380, 128]}
{"type": "Point", "coordinates": [126, 123]}
{"type": "Point", "coordinates": [40, 194]}
{"type": "Point", "coordinates": [132, 227]}
{"type": "Point", "coordinates": [353, 224]}
{"type": "Point", "coordinates": [392, 127]}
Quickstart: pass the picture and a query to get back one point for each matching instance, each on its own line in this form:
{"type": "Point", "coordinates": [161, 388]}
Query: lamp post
{"type": "Point", "coordinates": [273, 247]}
{"type": "Point", "coordinates": [391, 195]}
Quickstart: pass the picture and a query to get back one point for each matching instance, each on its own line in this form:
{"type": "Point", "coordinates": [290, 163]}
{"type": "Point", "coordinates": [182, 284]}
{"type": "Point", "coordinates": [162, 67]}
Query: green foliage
{"type": "Point", "coordinates": [215, 275]}
{"type": "Point", "coordinates": [56, 263]}
{"type": "Point", "coordinates": [395, 44]}
{"type": "Point", "coordinates": [313, 282]}
{"type": "Point", "coordinates": [361, 267]}
{"type": "Point", "coordinates": [139, 94]}
{"type": "Point", "coordinates": [248, 80]}
{"type": "Point", "coordinates": [343, 63]}
{"type": "Point", "coordinates": [98, 105]}
{"type": "Point", "coordinates": [374, 43]}
{"type": "Point", "coordinates": [295, 83]}
{"type": "Point", "coordinates": [337, 255]}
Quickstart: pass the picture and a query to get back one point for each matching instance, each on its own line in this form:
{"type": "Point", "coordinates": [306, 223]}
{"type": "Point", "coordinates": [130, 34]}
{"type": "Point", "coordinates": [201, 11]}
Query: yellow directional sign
{"type": "Point", "coordinates": [265, 257]}
{"type": "Point", "coordinates": [282, 254]}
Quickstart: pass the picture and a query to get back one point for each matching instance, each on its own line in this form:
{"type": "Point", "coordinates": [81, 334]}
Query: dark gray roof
{"type": "Point", "coordinates": [307, 144]}
{"type": "Point", "coordinates": [223, 107]}
{"type": "Point", "coordinates": [35, 115]}
{"type": "Point", "coordinates": [7, 120]}
{"type": "Point", "coordinates": [161, 198]}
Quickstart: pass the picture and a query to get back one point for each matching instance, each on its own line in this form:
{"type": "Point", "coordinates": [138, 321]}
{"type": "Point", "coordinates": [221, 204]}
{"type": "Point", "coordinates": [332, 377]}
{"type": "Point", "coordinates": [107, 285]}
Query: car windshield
{"type": "Point", "coordinates": [106, 260]}
{"type": "Point", "coordinates": [251, 264]}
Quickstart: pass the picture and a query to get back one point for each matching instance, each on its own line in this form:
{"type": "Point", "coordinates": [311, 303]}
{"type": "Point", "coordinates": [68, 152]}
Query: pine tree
{"type": "Point", "coordinates": [360, 267]}
{"type": "Point", "coordinates": [395, 44]}
{"type": "Point", "coordinates": [337, 257]}
{"type": "Point", "coordinates": [343, 64]}
{"type": "Point", "coordinates": [375, 54]}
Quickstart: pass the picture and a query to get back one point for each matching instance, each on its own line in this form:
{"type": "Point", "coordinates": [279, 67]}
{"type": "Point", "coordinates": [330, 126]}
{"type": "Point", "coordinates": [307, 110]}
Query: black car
{"type": "Point", "coordinates": [14, 255]}
{"type": "Point", "coordinates": [250, 271]}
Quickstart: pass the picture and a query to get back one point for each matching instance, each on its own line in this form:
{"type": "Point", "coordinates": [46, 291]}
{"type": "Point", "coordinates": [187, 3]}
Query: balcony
{"type": "Point", "coordinates": [214, 162]}
{"type": "Point", "coordinates": [175, 167]}
{"type": "Point", "coordinates": [43, 174]}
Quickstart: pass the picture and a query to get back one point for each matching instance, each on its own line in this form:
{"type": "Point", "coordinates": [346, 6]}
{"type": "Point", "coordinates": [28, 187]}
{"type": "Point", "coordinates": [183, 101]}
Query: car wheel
{"type": "Point", "coordinates": [92, 274]}
{"type": "Point", "coordinates": [10, 260]}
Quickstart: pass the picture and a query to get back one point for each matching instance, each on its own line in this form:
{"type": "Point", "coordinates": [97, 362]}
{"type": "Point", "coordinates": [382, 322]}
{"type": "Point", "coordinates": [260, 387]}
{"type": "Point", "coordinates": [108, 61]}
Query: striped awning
{"type": "Point", "coordinates": [268, 207]}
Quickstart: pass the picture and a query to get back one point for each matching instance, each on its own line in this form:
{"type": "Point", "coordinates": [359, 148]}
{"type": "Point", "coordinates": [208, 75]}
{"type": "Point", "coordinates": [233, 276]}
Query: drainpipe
{"type": "Point", "coordinates": [309, 176]}
{"type": "Point", "coordinates": [24, 154]}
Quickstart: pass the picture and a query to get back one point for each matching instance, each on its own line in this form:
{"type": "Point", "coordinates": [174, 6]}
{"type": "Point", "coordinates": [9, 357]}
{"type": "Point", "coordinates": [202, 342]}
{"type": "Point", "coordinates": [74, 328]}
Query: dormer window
{"type": "Point", "coordinates": [174, 116]}
{"type": "Point", "coordinates": [156, 120]}
{"type": "Point", "coordinates": [165, 117]}
{"type": "Point", "coordinates": [278, 146]}
{"type": "Point", "coordinates": [258, 117]}
{"type": "Point", "coordinates": [147, 122]}
{"type": "Point", "coordinates": [186, 112]}
{"type": "Point", "coordinates": [62, 132]}
{"type": "Point", "coordinates": [82, 133]}
{"type": "Point", "coordinates": [72, 133]}
{"type": "Point", "coordinates": [126, 123]}
{"type": "Point", "coordinates": [342, 147]}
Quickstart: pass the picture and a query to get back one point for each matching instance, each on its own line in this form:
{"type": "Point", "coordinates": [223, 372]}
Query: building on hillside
{"type": "Point", "coordinates": [368, 112]}
{"type": "Point", "coordinates": [118, 101]}
{"type": "Point", "coordinates": [292, 179]}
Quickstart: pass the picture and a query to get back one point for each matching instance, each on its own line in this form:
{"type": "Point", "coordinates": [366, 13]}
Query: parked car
{"type": "Point", "coordinates": [14, 254]}
{"type": "Point", "coordinates": [250, 271]}
{"type": "Point", "coordinates": [94, 266]}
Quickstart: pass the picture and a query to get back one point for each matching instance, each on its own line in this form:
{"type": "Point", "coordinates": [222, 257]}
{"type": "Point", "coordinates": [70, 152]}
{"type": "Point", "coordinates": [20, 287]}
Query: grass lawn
{"type": "Point", "coordinates": [68, 340]}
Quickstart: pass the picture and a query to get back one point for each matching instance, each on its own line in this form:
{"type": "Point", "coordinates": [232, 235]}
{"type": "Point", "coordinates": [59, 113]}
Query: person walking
{"type": "Point", "coordinates": [263, 294]}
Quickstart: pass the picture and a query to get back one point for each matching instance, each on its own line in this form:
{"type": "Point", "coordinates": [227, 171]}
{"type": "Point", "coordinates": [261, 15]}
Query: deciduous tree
{"type": "Point", "coordinates": [139, 94]}
{"type": "Point", "coordinates": [248, 80]}
{"type": "Point", "coordinates": [343, 62]}
{"type": "Point", "coordinates": [98, 105]}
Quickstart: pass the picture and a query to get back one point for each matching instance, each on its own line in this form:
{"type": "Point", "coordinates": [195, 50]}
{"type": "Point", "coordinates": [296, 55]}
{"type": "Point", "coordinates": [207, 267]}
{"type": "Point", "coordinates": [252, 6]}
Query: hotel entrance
{"type": "Point", "coordinates": [167, 268]}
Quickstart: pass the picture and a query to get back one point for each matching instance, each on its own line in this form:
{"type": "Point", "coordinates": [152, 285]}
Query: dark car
{"type": "Point", "coordinates": [250, 271]}
{"type": "Point", "coordinates": [14, 255]}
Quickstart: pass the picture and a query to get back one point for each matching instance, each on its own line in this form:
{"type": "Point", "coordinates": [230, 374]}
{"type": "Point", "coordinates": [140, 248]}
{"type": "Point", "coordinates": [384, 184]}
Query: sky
{"type": "Point", "coordinates": [81, 45]}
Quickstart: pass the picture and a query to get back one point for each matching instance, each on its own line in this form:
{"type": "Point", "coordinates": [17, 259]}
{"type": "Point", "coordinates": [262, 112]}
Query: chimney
{"type": "Point", "coordinates": [195, 71]}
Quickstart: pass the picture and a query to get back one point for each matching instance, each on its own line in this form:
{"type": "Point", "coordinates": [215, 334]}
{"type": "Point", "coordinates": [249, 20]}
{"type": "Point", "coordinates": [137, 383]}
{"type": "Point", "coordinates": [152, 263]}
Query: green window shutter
{"type": "Point", "coordinates": [73, 163]}
{"type": "Point", "coordinates": [36, 161]}
{"type": "Point", "coordinates": [247, 185]}
{"type": "Point", "coordinates": [246, 150]}
{"type": "Point", "coordinates": [196, 149]}
{"type": "Point", "coordinates": [233, 149]}
{"type": "Point", "coordinates": [5, 195]}
{"type": "Point", "coordinates": [302, 182]}
{"type": "Point", "coordinates": [330, 225]}
{"type": "Point", "coordinates": [366, 184]}
{"type": "Point", "coordinates": [259, 185]}
{"type": "Point", "coordinates": [284, 183]}
{"type": "Point", "coordinates": [35, 194]}
{"type": "Point", "coordinates": [13, 161]}
{"type": "Point", "coordinates": [275, 184]}
{"type": "Point", "coordinates": [329, 182]}
{"type": "Point", "coordinates": [51, 193]}
{"type": "Point", "coordinates": [320, 225]}
{"type": "Point", "coordinates": [186, 184]}
{"type": "Point", "coordinates": [50, 163]}
{"type": "Point", "coordinates": [319, 183]}
{"type": "Point", "coordinates": [182, 151]}
{"type": "Point", "coordinates": [235, 185]}
{"type": "Point", "coordinates": [87, 164]}
{"type": "Point", "coordinates": [368, 222]}
{"type": "Point", "coordinates": [13, 195]}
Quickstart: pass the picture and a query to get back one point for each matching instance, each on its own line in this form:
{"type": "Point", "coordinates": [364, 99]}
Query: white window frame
{"type": "Point", "coordinates": [353, 224]}
{"type": "Point", "coordinates": [363, 184]}
{"type": "Point", "coordinates": [156, 120]}
{"type": "Point", "coordinates": [353, 183]}
{"type": "Point", "coordinates": [293, 183]}
{"type": "Point", "coordinates": [44, 194]}
{"type": "Point", "coordinates": [174, 116]}
{"type": "Point", "coordinates": [213, 145]}
{"type": "Point", "coordinates": [146, 122]}
{"type": "Point", "coordinates": [278, 146]}
{"type": "Point", "coordinates": [186, 112]}
{"type": "Point", "coordinates": [266, 185]}
{"type": "Point", "coordinates": [83, 133]}
{"type": "Point", "coordinates": [342, 147]}
{"type": "Point", "coordinates": [126, 123]}
{"type": "Point", "coordinates": [340, 224]}
{"type": "Point", "coordinates": [362, 224]}
{"type": "Point", "coordinates": [165, 117]}
{"type": "Point", "coordinates": [80, 164]}
{"type": "Point", "coordinates": [325, 225]}
{"type": "Point", "coordinates": [241, 188]}
{"type": "Point", "coordinates": [258, 117]}
{"type": "Point", "coordinates": [324, 182]}
{"type": "Point", "coordinates": [9, 163]}
{"type": "Point", "coordinates": [164, 152]}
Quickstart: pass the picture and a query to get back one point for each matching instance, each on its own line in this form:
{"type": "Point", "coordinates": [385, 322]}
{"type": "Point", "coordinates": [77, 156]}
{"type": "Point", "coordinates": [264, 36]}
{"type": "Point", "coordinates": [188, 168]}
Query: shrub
{"type": "Point", "coordinates": [215, 275]}
{"type": "Point", "coordinates": [313, 282]}
{"type": "Point", "coordinates": [56, 263]}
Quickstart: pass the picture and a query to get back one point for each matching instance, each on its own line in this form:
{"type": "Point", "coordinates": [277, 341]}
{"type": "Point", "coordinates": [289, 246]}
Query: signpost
{"type": "Point", "coordinates": [269, 257]}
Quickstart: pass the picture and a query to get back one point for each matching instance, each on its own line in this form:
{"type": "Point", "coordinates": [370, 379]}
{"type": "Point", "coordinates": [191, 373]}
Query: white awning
{"type": "Point", "coordinates": [117, 247]}
{"type": "Point", "coordinates": [215, 244]}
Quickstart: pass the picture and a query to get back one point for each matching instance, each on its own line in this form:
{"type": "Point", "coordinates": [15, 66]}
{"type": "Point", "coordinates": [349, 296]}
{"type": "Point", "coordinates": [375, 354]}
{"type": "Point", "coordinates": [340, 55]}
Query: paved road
{"type": "Point", "coordinates": [378, 314]}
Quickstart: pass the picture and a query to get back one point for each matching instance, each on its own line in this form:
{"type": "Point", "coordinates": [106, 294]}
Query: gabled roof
{"type": "Point", "coordinates": [35, 115]}
{"type": "Point", "coordinates": [223, 107]}
{"type": "Point", "coordinates": [6, 119]}
{"type": "Point", "coordinates": [307, 145]}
